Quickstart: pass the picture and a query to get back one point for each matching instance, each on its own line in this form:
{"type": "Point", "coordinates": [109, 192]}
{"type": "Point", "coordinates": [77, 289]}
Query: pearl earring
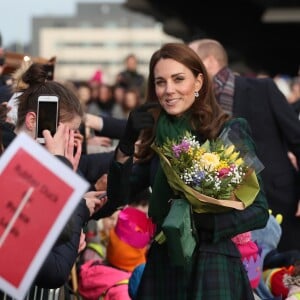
{"type": "Point", "coordinates": [196, 93]}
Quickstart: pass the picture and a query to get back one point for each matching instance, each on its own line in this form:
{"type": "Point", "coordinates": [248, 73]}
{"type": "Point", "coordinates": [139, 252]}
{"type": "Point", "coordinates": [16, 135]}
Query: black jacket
{"type": "Point", "coordinates": [57, 267]}
{"type": "Point", "coordinates": [275, 130]}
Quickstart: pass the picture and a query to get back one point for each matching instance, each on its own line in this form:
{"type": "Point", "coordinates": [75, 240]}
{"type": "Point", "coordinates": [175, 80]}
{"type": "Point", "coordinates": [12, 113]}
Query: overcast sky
{"type": "Point", "coordinates": [15, 16]}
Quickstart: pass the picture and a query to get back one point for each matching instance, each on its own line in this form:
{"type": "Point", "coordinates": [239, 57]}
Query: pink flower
{"type": "Point", "coordinates": [184, 146]}
{"type": "Point", "coordinates": [223, 172]}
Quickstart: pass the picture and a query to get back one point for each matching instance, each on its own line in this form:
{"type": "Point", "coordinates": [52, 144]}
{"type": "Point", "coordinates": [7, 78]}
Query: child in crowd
{"type": "Point", "coordinates": [276, 264]}
{"type": "Point", "coordinates": [292, 282]}
{"type": "Point", "coordinates": [127, 246]}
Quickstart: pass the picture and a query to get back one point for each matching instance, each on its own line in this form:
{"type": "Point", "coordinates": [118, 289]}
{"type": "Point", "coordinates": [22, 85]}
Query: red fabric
{"type": "Point", "coordinates": [277, 286]}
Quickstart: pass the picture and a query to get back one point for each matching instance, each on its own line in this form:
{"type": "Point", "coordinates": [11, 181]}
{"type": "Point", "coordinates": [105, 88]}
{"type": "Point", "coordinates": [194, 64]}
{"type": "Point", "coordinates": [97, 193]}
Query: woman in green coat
{"type": "Point", "coordinates": [179, 98]}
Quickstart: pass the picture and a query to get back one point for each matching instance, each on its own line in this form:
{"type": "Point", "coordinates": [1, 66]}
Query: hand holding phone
{"type": "Point", "coordinates": [47, 116]}
{"type": "Point", "coordinates": [95, 200]}
{"type": "Point", "coordinates": [103, 198]}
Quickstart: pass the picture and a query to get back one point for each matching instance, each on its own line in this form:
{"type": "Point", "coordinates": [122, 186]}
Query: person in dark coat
{"type": "Point", "coordinates": [5, 93]}
{"type": "Point", "coordinates": [94, 165]}
{"type": "Point", "coordinates": [179, 98]}
{"type": "Point", "coordinates": [91, 166]}
{"type": "Point", "coordinates": [275, 131]}
{"type": "Point", "coordinates": [57, 266]}
{"type": "Point", "coordinates": [130, 77]}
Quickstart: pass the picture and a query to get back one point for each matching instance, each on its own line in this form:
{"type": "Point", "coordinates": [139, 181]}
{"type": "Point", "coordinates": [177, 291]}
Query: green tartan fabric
{"type": "Point", "coordinates": [216, 271]}
{"type": "Point", "coordinates": [229, 284]}
{"type": "Point", "coordinates": [162, 281]}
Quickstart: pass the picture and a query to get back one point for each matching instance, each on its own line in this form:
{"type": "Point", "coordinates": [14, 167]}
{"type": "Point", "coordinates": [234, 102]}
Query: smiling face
{"type": "Point", "coordinates": [175, 86]}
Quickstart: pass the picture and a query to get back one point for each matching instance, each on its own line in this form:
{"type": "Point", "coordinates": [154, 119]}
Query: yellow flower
{"type": "Point", "coordinates": [198, 154]}
{"type": "Point", "coordinates": [222, 164]}
{"type": "Point", "coordinates": [239, 162]}
{"type": "Point", "coordinates": [234, 156]}
{"type": "Point", "coordinates": [210, 161]}
{"type": "Point", "coordinates": [228, 151]}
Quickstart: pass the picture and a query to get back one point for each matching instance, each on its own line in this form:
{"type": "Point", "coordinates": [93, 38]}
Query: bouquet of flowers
{"type": "Point", "coordinates": [213, 176]}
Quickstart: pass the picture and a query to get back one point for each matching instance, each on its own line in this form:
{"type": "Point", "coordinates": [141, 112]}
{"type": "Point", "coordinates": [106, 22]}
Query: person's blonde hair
{"type": "Point", "coordinates": [18, 83]}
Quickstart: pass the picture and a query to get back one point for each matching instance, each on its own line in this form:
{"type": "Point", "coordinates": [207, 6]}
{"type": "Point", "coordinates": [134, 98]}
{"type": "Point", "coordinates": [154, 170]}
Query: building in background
{"type": "Point", "coordinates": [98, 37]}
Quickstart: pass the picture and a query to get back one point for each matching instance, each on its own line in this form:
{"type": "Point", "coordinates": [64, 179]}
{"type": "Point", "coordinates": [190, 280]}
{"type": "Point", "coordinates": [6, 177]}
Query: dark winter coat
{"type": "Point", "coordinates": [216, 272]}
{"type": "Point", "coordinates": [275, 130]}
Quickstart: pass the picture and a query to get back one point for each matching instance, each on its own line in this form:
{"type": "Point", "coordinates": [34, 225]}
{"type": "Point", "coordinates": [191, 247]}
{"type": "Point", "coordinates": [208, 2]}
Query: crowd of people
{"type": "Point", "coordinates": [106, 135]}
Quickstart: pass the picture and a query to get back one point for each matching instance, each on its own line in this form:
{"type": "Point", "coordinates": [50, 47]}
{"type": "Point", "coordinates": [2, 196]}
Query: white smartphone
{"type": "Point", "coordinates": [47, 116]}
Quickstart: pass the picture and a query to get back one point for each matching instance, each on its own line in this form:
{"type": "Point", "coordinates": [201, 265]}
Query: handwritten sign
{"type": "Point", "coordinates": [38, 195]}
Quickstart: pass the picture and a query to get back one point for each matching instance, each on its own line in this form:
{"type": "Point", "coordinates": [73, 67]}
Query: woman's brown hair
{"type": "Point", "coordinates": [36, 79]}
{"type": "Point", "coordinates": [207, 117]}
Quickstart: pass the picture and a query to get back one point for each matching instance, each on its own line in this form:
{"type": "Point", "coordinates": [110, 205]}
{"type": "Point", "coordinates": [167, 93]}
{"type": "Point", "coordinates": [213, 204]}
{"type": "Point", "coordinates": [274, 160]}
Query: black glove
{"type": "Point", "coordinates": [138, 119]}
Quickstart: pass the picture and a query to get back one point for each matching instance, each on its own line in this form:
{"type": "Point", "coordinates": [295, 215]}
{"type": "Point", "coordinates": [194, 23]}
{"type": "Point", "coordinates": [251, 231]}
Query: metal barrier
{"type": "Point", "coordinates": [37, 293]}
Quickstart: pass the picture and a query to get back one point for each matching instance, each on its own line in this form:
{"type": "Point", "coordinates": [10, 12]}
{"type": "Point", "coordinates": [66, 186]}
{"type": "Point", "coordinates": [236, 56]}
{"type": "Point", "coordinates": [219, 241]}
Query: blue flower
{"type": "Point", "coordinates": [198, 177]}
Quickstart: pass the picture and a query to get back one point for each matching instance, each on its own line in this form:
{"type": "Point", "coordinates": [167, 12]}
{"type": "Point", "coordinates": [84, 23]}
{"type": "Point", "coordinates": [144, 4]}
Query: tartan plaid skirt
{"type": "Point", "coordinates": [210, 276]}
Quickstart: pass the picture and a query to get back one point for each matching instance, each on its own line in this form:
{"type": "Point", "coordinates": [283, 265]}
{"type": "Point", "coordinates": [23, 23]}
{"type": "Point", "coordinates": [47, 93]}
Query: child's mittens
{"type": "Point", "coordinates": [278, 217]}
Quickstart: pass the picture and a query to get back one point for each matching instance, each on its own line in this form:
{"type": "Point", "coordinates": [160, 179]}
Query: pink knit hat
{"type": "Point", "coordinates": [134, 227]}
